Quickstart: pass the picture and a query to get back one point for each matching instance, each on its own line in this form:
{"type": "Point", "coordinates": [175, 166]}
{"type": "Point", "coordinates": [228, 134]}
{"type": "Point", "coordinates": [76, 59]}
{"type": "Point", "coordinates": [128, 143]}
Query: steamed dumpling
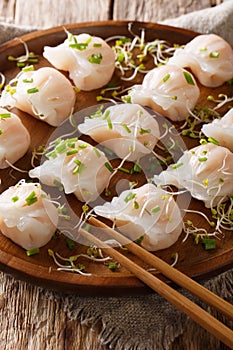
{"type": "Point", "coordinates": [89, 60]}
{"type": "Point", "coordinates": [79, 167]}
{"type": "Point", "coordinates": [206, 171]}
{"type": "Point", "coordinates": [146, 211]}
{"type": "Point", "coordinates": [44, 93]}
{"type": "Point", "coordinates": [209, 57]}
{"type": "Point", "coordinates": [27, 215]}
{"type": "Point", "coordinates": [14, 138]}
{"type": "Point", "coordinates": [127, 129]}
{"type": "Point", "coordinates": [169, 90]}
{"type": "Point", "coordinates": [221, 130]}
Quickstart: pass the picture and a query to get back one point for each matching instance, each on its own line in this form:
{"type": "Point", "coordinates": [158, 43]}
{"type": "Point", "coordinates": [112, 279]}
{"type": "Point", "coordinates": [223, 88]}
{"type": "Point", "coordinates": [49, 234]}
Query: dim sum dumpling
{"type": "Point", "coordinates": [77, 166]}
{"type": "Point", "coordinates": [27, 215]}
{"type": "Point", "coordinates": [147, 212]}
{"type": "Point", "coordinates": [89, 60]}
{"type": "Point", "coordinates": [44, 93]}
{"type": "Point", "coordinates": [127, 129]}
{"type": "Point", "coordinates": [169, 90]}
{"type": "Point", "coordinates": [206, 171]}
{"type": "Point", "coordinates": [221, 130]}
{"type": "Point", "coordinates": [14, 138]}
{"type": "Point", "coordinates": [209, 57]}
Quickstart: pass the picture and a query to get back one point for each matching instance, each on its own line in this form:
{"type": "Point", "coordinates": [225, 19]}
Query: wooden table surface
{"type": "Point", "coordinates": [29, 320]}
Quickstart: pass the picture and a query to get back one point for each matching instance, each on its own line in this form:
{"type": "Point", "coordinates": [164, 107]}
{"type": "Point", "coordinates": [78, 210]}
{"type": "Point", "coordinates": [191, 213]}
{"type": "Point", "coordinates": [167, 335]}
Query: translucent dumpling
{"type": "Point", "coordinates": [169, 90]}
{"type": "Point", "coordinates": [127, 129]}
{"type": "Point", "coordinates": [221, 130]}
{"type": "Point", "coordinates": [209, 57]}
{"type": "Point", "coordinates": [14, 138]}
{"type": "Point", "coordinates": [27, 215]}
{"type": "Point", "coordinates": [89, 60]}
{"type": "Point", "coordinates": [147, 212]}
{"type": "Point", "coordinates": [79, 167]}
{"type": "Point", "coordinates": [44, 93]}
{"type": "Point", "coordinates": [206, 171]}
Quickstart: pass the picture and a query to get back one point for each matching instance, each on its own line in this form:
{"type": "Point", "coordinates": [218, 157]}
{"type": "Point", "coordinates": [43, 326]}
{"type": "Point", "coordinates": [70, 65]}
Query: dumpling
{"type": "Point", "coordinates": [147, 212]}
{"type": "Point", "coordinates": [44, 93]}
{"type": "Point", "coordinates": [221, 130]}
{"type": "Point", "coordinates": [14, 138]}
{"type": "Point", "coordinates": [89, 60]}
{"type": "Point", "coordinates": [206, 171]}
{"type": "Point", "coordinates": [27, 215]}
{"type": "Point", "coordinates": [79, 167]}
{"type": "Point", "coordinates": [169, 90]}
{"type": "Point", "coordinates": [127, 129]}
{"type": "Point", "coordinates": [209, 57]}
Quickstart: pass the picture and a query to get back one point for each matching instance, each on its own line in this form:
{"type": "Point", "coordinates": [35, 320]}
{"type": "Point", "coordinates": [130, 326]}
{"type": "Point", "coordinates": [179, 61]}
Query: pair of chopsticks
{"type": "Point", "coordinates": [196, 313]}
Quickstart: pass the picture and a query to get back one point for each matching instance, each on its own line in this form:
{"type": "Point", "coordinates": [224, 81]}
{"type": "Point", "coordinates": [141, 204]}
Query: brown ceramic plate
{"type": "Point", "coordinates": [194, 260]}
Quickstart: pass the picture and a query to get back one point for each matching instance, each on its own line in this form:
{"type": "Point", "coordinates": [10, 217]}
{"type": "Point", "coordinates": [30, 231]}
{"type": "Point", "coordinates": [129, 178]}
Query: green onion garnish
{"type": "Point", "coordinates": [32, 90]}
{"type": "Point", "coordinates": [129, 197]}
{"type": "Point", "coordinates": [14, 199]}
{"type": "Point", "coordinates": [175, 166]}
{"type": "Point", "coordinates": [5, 115]}
{"type": "Point", "coordinates": [166, 77]}
{"type": "Point", "coordinates": [202, 159]}
{"type": "Point", "coordinates": [214, 54]}
{"type": "Point", "coordinates": [109, 167]}
{"type": "Point", "coordinates": [70, 243]}
{"type": "Point", "coordinates": [32, 198]}
{"type": "Point", "coordinates": [188, 78]}
{"type": "Point", "coordinates": [95, 58]}
{"type": "Point", "coordinates": [155, 209]}
{"type": "Point", "coordinates": [209, 243]}
{"type": "Point", "coordinates": [31, 252]}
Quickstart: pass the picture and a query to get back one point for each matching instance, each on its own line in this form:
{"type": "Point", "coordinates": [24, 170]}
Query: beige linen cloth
{"type": "Point", "coordinates": [143, 322]}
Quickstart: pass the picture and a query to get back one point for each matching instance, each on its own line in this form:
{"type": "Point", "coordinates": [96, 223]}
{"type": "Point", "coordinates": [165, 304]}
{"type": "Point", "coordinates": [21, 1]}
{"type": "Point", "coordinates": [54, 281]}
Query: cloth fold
{"type": "Point", "coordinates": [149, 322]}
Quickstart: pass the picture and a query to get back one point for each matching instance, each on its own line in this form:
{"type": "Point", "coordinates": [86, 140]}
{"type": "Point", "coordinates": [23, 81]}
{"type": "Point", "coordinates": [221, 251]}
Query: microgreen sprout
{"type": "Point", "coordinates": [28, 57]}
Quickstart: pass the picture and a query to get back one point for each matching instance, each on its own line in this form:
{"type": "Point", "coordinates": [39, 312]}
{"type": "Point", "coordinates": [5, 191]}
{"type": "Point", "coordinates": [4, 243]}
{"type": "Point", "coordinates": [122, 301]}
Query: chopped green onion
{"type": "Point", "coordinates": [112, 265]}
{"type": "Point", "coordinates": [139, 240]}
{"type": "Point", "coordinates": [32, 198]}
{"type": "Point", "coordinates": [202, 159]}
{"type": "Point", "coordinates": [209, 243]}
{"type": "Point", "coordinates": [211, 139]}
{"type": "Point", "coordinates": [5, 115]}
{"type": "Point", "coordinates": [28, 80]}
{"type": "Point", "coordinates": [71, 152]}
{"type": "Point", "coordinates": [135, 205]}
{"type": "Point", "coordinates": [96, 59]}
{"type": "Point", "coordinates": [109, 167]}
{"type": "Point", "coordinates": [166, 77]}
{"type": "Point", "coordinates": [129, 197]}
{"type": "Point", "coordinates": [70, 243]}
{"type": "Point", "coordinates": [31, 252]}
{"type": "Point", "coordinates": [155, 209]}
{"type": "Point", "coordinates": [214, 54]}
{"type": "Point", "coordinates": [32, 90]}
{"type": "Point", "coordinates": [28, 68]}
{"type": "Point", "coordinates": [178, 165]}
{"type": "Point", "coordinates": [97, 45]}
{"type": "Point", "coordinates": [79, 168]}
{"type": "Point", "coordinates": [79, 46]}
{"type": "Point", "coordinates": [14, 199]}
{"type": "Point", "coordinates": [188, 78]}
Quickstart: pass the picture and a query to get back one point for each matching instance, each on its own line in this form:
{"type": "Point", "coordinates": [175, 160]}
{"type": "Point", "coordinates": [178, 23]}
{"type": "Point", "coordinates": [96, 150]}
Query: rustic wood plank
{"type": "Point", "coordinates": [32, 320]}
{"type": "Point", "coordinates": [38, 14]}
{"type": "Point", "coordinates": [155, 10]}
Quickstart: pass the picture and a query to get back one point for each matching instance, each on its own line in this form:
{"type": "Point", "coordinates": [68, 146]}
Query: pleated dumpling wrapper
{"type": "Point", "coordinates": [46, 94]}
{"type": "Point", "coordinates": [14, 138]}
{"type": "Point", "coordinates": [169, 90]}
{"type": "Point", "coordinates": [206, 171]}
{"type": "Point", "coordinates": [89, 60]}
{"type": "Point", "coordinates": [221, 130]}
{"type": "Point", "coordinates": [27, 215]}
{"type": "Point", "coordinates": [76, 165]}
{"type": "Point", "coordinates": [148, 213]}
{"type": "Point", "coordinates": [209, 57]}
{"type": "Point", "coordinates": [129, 130]}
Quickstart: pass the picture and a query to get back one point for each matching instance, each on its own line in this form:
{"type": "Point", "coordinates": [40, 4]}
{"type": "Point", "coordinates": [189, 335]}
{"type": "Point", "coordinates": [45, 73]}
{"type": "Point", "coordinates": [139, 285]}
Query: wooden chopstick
{"type": "Point", "coordinates": [167, 270]}
{"type": "Point", "coordinates": [200, 316]}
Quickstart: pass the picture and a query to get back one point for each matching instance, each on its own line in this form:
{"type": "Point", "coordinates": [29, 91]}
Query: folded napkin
{"type": "Point", "coordinates": [148, 322]}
